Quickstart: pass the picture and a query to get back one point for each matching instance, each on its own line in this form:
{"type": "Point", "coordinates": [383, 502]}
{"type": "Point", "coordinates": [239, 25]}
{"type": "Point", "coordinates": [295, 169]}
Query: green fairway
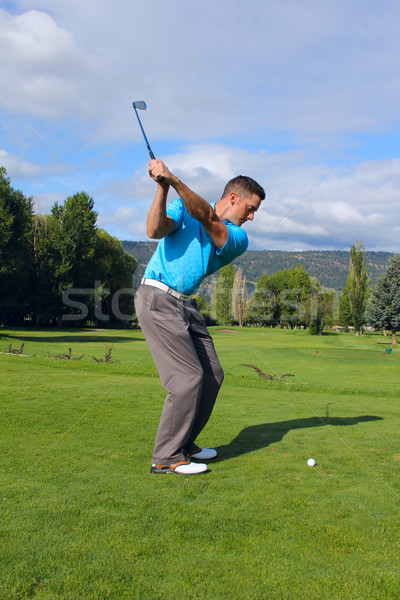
{"type": "Point", "coordinates": [82, 517]}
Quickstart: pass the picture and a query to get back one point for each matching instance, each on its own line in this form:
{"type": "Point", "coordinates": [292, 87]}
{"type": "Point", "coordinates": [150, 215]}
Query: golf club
{"type": "Point", "coordinates": [142, 106]}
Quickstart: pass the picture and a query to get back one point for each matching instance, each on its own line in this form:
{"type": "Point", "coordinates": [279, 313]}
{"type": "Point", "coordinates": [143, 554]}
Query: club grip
{"type": "Point", "coordinates": [160, 178]}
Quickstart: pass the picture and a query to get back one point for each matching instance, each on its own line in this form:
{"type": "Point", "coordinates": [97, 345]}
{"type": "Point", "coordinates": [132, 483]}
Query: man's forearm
{"type": "Point", "coordinates": [157, 217]}
{"type": "Point", "coordinates": [196, 206]}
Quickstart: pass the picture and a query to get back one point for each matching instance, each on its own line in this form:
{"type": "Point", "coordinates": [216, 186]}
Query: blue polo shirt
{"type": "Point", "coordinates": [187, 255]}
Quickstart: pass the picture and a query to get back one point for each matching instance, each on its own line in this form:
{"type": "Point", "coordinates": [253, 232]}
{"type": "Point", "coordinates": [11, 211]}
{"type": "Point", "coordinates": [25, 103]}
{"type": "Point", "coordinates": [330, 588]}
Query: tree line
{"type": "Point", "coordinates": [377, 306]}
{"type": "Point", "coordinates": [291, 298]}
{"type": "Point", "coordinates": [60, 268]}
{"type": "Point", "coordinates": [288, 298]}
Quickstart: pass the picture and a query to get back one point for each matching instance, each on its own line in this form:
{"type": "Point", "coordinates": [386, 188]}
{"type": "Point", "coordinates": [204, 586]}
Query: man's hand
{"type": "Point", "coordinates": [158, 169]}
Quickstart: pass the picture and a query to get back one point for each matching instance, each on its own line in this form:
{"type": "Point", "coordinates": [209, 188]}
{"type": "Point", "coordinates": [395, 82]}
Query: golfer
{"type": "Point", "coordinates": [197, 239]}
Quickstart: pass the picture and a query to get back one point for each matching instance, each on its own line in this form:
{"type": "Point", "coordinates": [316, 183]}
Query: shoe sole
{"type": "Point", "coordinates": [173, 472]}
{"type": "Point", "coordinates": [174, 468]}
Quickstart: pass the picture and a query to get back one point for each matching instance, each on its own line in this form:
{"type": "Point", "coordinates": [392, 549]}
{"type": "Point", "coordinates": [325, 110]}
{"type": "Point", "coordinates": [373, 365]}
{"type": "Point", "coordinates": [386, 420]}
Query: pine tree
{"type": "Point", "coordinates": [239, 297]}
{"type": "Point", "coordinates": [355, 294]}
{"type": "Point", "coordinates": [383, 311]}
{"type": "Point", "coordinates": [223, 294]}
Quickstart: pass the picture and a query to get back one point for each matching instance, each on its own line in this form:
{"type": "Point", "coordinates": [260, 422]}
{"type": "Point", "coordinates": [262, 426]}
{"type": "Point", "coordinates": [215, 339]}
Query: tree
{"type": "Point", "coordinates": [44, 298]}
{"type": "Point", "coordinates": [239, 298]}
{"type": "Point", "coordinates": [383, 310]}
{"type": "Point", "coordinates": [102, 293]}
{"type": "Point", "coordinates": [299, 296]}
{"type": "Point", "coordinates": [276, 299]}
{"type": "Point", "coordinates": [223, 294]}
{"type": "Point", "coordinates": [43, 256]}
{"type": "Point", "coordinates": [279, 285]}
{"type": "Point", "coordinates": [78, 265]}
{"type": "Point", "coordinates": [261, 303]}
{"type": "Point", "coordinates": [355, 294]}
{"type": "Point", "coordinates": [204, 308]}
{"type": "Point", "coordinates": [345, 318]}
{"type": "Point", "coordinates": [15, 232]}
{"type": "Point", "coordinates": [322, 312]}
{"type": "Point", "coordinates": [6, 217]}
{"type": "Point", "coordinates": [113, 269]}
{"type": "Point", "coordinates": [71, 232]}
{"type": "Point", "coordinates": [73, 239]}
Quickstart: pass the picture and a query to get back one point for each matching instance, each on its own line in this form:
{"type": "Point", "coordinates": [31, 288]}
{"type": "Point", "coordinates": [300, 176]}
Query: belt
{"type": "Point", "coordinates": [165, 288]}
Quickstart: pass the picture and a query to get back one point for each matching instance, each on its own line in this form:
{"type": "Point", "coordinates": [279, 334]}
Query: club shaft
{"type": "Point", "coordinates": [144, 135]}
{"type": "Point", "coordinates": [159, 178]}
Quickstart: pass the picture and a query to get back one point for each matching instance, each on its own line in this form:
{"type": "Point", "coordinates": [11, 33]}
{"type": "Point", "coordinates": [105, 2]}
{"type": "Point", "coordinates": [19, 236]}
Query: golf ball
{"type": "Point", "coordinates": [311, 462]}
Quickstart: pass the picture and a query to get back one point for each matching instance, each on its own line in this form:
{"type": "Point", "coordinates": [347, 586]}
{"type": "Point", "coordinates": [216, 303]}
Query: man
{"type": "Point", "coordinates": [197, 239]}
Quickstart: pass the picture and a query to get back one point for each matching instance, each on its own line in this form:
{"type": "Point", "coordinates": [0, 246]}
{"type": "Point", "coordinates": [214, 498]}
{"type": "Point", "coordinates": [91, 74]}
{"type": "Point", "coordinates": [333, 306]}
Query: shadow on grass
{"type": "Point", "coordinates": [261, 436]}
{"type": "Point", "coordinates": [73, 336]}
{"type": "Point", "coordinates": [327, 334]}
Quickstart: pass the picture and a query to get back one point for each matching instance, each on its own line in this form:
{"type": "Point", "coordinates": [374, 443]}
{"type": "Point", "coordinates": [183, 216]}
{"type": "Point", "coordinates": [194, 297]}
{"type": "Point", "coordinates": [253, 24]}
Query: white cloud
{"type": "Point", "coordinates": [307, 70]}
{"type": "Point", "coordinates": [28, 39]}
{"type": "Point", "coordinates": [45, 69]}
{"type": "Point", "coordinates": [19, 168]}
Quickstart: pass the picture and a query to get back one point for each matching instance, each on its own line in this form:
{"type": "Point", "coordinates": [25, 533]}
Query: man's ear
{"type": "Point", "coordinates": [233, 198]}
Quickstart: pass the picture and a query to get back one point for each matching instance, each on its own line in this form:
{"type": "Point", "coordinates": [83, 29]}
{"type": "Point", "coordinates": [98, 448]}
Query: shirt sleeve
{"type": "Point", "coordinates": [236, 243]}
{"type": "Point", "coordinates": [176, 210]}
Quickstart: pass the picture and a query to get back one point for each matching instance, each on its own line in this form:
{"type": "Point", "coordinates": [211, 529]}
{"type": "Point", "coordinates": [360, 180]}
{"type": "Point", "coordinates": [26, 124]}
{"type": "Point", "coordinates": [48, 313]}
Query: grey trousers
{"type": "Point", "coordinates": [187, 363]}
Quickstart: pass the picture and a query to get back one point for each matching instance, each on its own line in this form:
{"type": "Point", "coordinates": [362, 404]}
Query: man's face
{"type": "Point", "coordinates": [243, 208]}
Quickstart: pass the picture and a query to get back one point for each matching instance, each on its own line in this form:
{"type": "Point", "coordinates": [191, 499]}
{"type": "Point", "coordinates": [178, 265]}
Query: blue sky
{"type": "Point", "coordinates": [302, 96]}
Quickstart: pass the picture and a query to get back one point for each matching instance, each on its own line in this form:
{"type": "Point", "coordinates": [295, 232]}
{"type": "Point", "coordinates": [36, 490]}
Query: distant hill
{"type": "Point", "coordinates": [142, 251]}
{"type": "Point", "coordinates": [330, 267]}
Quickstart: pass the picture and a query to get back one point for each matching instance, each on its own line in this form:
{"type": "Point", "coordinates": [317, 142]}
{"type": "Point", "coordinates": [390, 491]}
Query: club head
{"type": "Point", "coordinates": [139, 104]}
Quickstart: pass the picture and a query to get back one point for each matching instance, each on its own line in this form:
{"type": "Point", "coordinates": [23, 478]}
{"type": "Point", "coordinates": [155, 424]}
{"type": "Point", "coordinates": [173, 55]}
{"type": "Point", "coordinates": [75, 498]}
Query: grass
{"type": "Point", "coordinates": [83, 518]}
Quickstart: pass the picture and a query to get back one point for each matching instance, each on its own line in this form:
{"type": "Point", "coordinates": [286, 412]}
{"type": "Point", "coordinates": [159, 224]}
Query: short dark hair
{"type": "Point", "coordinates": [243, 184]}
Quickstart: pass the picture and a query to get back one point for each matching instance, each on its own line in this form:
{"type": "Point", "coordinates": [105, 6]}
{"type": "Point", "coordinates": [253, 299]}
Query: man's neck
{"type": "Point", "coordinates": [222, 209]}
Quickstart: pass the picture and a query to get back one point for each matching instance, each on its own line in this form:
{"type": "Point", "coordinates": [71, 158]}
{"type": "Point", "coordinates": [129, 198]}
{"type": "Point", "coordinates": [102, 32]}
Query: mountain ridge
{"type": "Point", "coordinates": [330, 267]}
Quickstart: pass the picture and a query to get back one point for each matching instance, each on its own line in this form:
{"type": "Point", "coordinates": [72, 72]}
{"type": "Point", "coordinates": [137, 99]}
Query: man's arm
{"type": "Point", "coordinates": [196, 206]}
{"type": "Point", "coordinates": [159, 224]}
